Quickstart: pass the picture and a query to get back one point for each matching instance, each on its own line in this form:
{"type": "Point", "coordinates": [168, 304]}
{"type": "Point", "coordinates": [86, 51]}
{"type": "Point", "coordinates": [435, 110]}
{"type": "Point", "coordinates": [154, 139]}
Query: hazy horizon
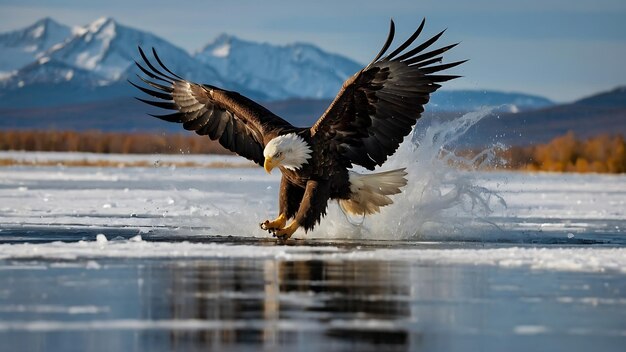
{"type": "Point", "coordinates": [554, 49]}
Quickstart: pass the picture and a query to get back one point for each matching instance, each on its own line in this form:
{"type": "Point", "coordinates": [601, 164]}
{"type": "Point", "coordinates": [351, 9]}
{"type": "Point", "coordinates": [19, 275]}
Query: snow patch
{"type": "Point", "coordinates": [53, 309]}
{"type": "Point", "coordinates": [87, 60]}
{"type": "Point", "coordinates": [221, 51]}
{"type": "Point", "coordinates": [530, 330]}
{"type": "Point", "coordinates": [38, 31]}
{"type": "Point", "coordinates": [96, 25]}
{"type": "Point", "coordinates": [107, 32]}
{"type": "Point", "coordinates": [78, 30]}
{"type": "Point", "coordinates": [7, 75]}
{"type": "Point", "coordinates": [56, 47]}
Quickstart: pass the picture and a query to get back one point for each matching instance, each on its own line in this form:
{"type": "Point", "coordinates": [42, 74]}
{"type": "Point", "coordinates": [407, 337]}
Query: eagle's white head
{"type": "Point", "coordinates": [289, 151]}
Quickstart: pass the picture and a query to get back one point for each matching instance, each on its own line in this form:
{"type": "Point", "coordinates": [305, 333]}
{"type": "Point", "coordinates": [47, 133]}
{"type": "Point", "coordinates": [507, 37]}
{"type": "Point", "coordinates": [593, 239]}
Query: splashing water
{"type": "Point", "coordinates": [442, 198]}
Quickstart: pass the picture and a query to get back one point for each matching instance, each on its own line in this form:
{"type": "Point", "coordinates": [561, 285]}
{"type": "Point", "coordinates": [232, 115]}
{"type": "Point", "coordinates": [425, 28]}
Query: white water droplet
{"type": "Point", "coordinates": [101, 238]}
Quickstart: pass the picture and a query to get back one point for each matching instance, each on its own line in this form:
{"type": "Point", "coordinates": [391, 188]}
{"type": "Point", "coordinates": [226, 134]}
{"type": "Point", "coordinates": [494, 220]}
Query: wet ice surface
{"type": "Point", "coordinates": [163, 259]}
{"type": "Point", "coordinates": [309, 305]}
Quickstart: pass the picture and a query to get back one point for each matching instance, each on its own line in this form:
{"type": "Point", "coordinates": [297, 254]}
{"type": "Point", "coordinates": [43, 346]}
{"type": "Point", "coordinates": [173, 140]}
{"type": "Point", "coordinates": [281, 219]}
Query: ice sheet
{"type": "Point", "coordinates": [563, 207]}
{"type": "Point", "coordinates": [545, 258]}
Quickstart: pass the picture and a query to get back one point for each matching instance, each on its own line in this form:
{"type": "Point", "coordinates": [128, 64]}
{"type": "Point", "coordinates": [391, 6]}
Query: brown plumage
{"type": "Point", "coordinates": [374, 110]}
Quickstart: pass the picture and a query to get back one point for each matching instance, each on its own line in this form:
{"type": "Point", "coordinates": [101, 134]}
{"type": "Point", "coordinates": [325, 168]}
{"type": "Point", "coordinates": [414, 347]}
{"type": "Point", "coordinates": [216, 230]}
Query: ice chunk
{"type": "Point", "coordinates": [92, 264]}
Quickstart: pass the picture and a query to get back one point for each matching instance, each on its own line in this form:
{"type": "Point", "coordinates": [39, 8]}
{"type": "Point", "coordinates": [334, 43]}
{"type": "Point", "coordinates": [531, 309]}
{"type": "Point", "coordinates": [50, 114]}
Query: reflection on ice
{"type": "Point", "coordinates": [277, 303]}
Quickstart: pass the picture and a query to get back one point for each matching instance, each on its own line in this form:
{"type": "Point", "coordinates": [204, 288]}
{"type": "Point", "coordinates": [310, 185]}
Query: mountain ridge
{"type": "Point", "coordinates": [21, 47]}
{"type": "Point", "coordinates": [261, 71]}
{"type": "Point", "coordinates": [282, 71]}
{"type": "Point", "coordinates": [600, 113]}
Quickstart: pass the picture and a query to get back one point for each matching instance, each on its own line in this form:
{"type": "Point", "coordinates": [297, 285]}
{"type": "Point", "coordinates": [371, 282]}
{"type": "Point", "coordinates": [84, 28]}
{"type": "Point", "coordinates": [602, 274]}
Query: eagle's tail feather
{"type": "Point", "coordinates": [371, 191]}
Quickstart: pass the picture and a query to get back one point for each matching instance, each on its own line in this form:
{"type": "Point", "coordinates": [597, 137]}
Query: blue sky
{"type": "Point", "coordinates": [561, 49]}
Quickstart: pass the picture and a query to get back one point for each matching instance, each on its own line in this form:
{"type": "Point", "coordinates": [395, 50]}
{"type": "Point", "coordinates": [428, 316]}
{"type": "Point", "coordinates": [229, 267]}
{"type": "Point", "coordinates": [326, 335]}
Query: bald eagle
{"type": "Point", "coordinates": [374, 110]}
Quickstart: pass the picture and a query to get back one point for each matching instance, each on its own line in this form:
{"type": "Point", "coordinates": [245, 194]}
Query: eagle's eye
{"type": "Point", "coordinates": [278, 154]}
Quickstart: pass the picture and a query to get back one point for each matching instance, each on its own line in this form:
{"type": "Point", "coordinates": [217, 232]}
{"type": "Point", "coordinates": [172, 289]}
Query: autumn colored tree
{"type": "Point", "coordinates": [601, 154]}
{"type": "Point", "coordinates": [108, 142]}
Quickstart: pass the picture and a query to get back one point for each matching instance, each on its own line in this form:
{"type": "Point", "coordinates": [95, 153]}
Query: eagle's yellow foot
{"type": "Point", "coordinates": [275, 224]}
{"type": "Point", "coordinates": [285, 233]}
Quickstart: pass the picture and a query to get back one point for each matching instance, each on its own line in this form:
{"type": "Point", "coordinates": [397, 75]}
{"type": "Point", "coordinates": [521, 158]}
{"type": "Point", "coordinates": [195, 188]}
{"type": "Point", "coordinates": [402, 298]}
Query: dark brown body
{"type": "Point", "coordinates": [323, 178]}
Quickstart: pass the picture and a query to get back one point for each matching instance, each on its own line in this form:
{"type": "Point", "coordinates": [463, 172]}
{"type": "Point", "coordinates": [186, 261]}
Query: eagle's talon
{"type": "Point", "coordinates": [285, 233]}
{"type": "Point", "coordinates": [281, 238]}
{"type": "Point", "coordinates": [274, 225]}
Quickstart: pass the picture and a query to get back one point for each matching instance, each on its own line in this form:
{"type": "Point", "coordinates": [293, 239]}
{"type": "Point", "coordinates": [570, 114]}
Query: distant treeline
{"type": "Point", "coordinates": [108, 142]}
{"type": "Point", "coordinates": [602, 154]}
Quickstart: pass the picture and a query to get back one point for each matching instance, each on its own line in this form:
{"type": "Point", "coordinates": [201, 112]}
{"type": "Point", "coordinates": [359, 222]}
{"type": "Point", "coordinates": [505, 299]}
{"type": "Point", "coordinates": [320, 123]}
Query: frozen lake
{"type": "Point", "coordinates": [164, 258]}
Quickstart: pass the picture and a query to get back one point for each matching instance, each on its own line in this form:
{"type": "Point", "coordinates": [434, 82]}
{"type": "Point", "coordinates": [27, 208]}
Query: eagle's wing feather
{"type": "Point", "coordinates": [238, 123]}
{"type": "Point", "coordinates": [378, 106]}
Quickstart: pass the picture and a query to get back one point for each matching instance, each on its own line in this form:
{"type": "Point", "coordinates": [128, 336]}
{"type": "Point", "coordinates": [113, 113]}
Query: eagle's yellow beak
{"type": "Point", "coordinates": [268, 165]}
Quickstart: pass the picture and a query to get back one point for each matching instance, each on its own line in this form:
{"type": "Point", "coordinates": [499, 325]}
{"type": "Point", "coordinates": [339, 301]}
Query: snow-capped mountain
{"type": "Point", "coordinates": [96, 60]}
{"type": "Point", "coordinates": [50, 64]}
{"type": "Point", "coordinates": [52, 72]}
{"type": "Point", "coordinates": [290, 71]}
{"type": "Point", "coordinates": [21, 47]}
{"type": "Point", "coordinates": [108, 49]}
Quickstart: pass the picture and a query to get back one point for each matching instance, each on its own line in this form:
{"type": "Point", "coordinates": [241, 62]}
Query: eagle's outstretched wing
{"type": "Point", "coordinates": [378, 106]}
{"type": "Point", "coordinates": [240, 124]}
